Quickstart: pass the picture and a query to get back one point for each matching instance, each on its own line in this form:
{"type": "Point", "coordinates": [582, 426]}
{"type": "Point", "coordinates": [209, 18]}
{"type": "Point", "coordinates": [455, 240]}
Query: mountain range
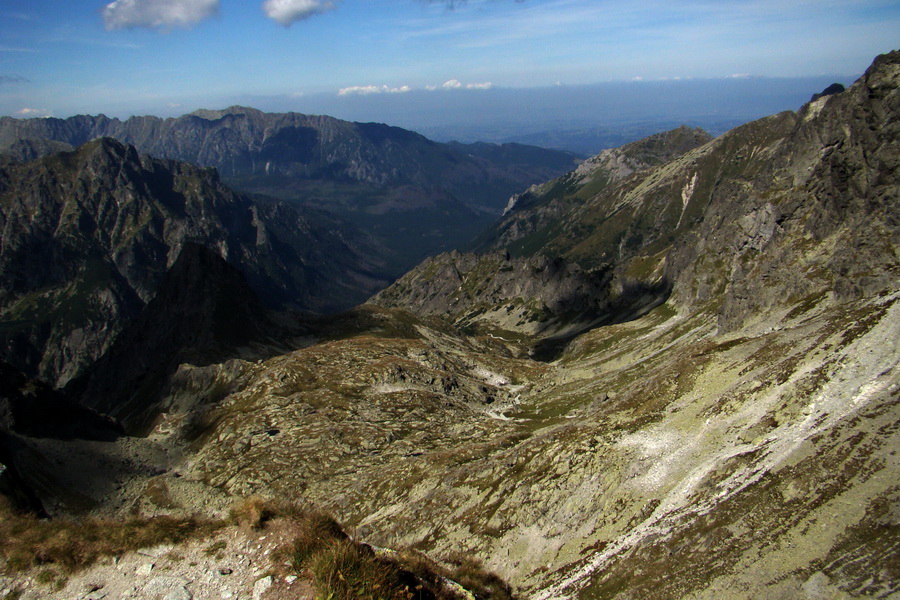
{"type": "Point", "coordinates": [415, 196]}
{"type": "Point", "coordinates": [668, 373]}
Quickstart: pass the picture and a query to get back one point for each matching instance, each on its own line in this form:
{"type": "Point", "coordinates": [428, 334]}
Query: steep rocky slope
{"type": "Point", "coordinates": [531, 219]}
{"type": "Point", "coordinates": [203, 311]}
{"type": "Point", "coordinates": [88, 236]}
{"type": "Point", "coordinates": [495, 292]}
{"type": "Point", "coordinates": [417, 196]}
{"type": "Point", "coordinates": [520, 282]}
{"type": "Point", "coordinates": [738, 440]}
{"type": "Point", "coordinates": [795, 185]}
{"type": "Point", "coordinates": [733, 434]}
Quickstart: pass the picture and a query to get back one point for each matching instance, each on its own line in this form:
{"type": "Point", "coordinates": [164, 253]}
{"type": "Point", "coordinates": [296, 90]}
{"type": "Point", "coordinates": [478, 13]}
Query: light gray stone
{"type": "Point", "coordinates": [261, 587]}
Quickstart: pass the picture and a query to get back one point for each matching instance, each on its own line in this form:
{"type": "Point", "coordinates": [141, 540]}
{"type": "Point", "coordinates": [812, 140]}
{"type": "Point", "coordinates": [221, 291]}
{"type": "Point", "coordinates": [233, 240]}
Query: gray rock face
{"type": "Point", "coordinates": [530, 217]}
{"type": "Point", "coordinates": [829, 180]}
{"type": "Point", "coordinates": [88, 236]}
{"type": "Point", "coordinates": [495, 292]}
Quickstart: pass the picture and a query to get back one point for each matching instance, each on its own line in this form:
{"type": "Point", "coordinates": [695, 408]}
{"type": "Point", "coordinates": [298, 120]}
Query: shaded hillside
{"type": "Point", "coordinates": [32, 408]}
{"type": "Point", "coordinates": [521, 282]}
{"type": "Point", "coordinates": [495, 292]}
{"type": "Point", "coordinates": [89, 235]}
{"type": "Point", "coordinates": [531, 218]}
{"type": "Point", "coordinates": [417, 196]}
{"type": "Point", "coordinates": [203, 310]}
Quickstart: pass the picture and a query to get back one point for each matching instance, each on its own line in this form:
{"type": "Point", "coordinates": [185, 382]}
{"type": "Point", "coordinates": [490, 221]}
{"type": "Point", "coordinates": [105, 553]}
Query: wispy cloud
{"type": "Point", "coordinates": [365, 90]}
{"type": "Point", "coordinates": [34, 112]}
{"type": "Point", "coordinates": [14, 49]}
{"type": "Point", "coordinates": [11, 79]}
{"type": "Point", "coordinates": [157, 14]}
{"type": "Point", "coordinates": [19, 16]}
{"type": "Point", "coordinates": [456, 84]}
{"type": "Point", "coordinates": [73, 35]}
{"type": "Point", "coordinates": [287, 12]}
{"type": "Point", "coordinates": [473, 28]}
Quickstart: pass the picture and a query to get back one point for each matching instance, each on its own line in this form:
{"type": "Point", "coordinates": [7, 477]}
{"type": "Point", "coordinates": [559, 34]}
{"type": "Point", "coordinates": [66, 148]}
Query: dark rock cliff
{"type": "Point", "coordinates": [87, 237]}
{"type": "Point", "coordinates": [203, 310]}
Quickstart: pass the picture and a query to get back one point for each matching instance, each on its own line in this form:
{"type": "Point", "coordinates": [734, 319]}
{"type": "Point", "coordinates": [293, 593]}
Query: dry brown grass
{"type": "Point", "coordinates": [341, 568]}
{"type": "Point", "coordinates": [69, 545]}
{"type": "Point", "coordinates": [253, 512]}
{"type": "Point", "coordinates": [344, 570]}
{"type": "Point", "coordinates": [338, 567]}
{"type": "Point", "coordinates": [469, 572]}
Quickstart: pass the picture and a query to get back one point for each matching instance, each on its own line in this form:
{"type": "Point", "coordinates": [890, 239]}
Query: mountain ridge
{"type": "Point", "coordinates": [391, 182]}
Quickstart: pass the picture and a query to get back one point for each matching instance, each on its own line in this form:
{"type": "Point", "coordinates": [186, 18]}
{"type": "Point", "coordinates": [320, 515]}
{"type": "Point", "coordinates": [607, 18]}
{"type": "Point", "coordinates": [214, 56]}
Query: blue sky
{"type": "Point", "coordinates": [168, 57]}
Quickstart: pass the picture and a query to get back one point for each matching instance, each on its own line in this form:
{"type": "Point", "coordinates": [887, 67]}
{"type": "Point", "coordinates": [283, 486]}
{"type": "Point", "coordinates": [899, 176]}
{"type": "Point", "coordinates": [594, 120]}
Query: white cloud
{"type": "Point", "coordinates": [34, 112]}
{"type": "Point", "coordinates": [456, 84]}
{"type": "Point", "coordinates": [364, 90]}
{"type": "Point", "coordinates": [157, 14]}
{"type": "Point", "coordinates": [286, 12]}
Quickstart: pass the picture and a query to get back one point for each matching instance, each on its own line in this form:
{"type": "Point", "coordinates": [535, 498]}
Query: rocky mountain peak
{"type": "Point", "coordinates": [106, 158]}
{"type": "Point", "coordinates": [212, 115]}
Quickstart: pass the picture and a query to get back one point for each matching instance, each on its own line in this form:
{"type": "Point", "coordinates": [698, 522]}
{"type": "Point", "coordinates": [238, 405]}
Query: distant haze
{"type": "Point", "coordinates": [584, 119]}
{"type": "Point", "coordinates": [449, 68]}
